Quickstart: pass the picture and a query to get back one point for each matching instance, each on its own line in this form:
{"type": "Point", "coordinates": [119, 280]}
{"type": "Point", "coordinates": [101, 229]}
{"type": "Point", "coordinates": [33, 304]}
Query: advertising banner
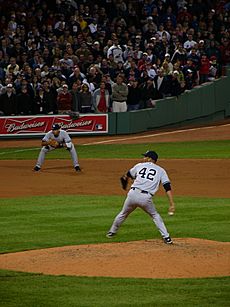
{"type": "Point", "coordinates": [39, 125]}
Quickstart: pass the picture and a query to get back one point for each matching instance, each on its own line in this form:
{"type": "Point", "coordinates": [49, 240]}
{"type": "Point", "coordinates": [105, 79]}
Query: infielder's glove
{"type": "Point", "coordinates": [124, 182]}
{"type": "Point", "coordinates": [53, 143]}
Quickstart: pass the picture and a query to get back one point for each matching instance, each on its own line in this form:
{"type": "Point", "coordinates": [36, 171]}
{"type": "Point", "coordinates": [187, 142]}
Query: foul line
{"type": "Point", "coordinates": [19, 150]}
{"type": "Point", "coordinates": [152, 135]}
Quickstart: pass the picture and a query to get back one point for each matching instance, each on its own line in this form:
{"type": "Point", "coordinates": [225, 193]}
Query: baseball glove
{"type": "Point", "coordinates": [124, 182]}
{"type": "Point", "coordinates": [53, 143]}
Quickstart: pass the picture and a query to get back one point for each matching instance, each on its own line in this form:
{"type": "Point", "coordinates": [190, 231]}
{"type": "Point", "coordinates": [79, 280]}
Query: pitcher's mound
{"type": "Point", "coordinates": [148, 259]}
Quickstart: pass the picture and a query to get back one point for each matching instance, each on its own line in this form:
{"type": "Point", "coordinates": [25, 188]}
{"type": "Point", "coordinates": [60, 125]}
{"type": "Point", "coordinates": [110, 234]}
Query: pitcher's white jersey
{"type": "Point", "coordinates": [63, 137]}
{"type": "Point", "coordinates": [148, 176]}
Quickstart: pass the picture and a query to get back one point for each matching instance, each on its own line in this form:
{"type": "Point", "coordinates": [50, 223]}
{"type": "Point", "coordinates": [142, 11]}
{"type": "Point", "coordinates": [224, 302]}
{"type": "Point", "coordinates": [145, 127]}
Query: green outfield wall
{"type": "Point", "coordinates": [207, 102]}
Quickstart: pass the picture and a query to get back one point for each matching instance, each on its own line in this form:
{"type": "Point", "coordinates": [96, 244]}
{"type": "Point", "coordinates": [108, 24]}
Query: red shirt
{"type": "Point", "coordinates": [102, 103]}
{"type": "Point", "coordinates": [64, 101]}
{"type": "Point", "coordinates": [204, 67]}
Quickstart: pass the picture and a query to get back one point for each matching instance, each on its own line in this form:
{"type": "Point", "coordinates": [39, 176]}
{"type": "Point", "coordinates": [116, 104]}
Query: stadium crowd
{"type": "Point", "coordinates": [107, 56]}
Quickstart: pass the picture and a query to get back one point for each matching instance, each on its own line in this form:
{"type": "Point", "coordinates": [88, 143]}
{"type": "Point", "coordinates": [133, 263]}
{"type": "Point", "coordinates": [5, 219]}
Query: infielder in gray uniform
{"type": "Point", "coordinates": [56, 138]}
{"type": "Point", "coordinates": [146, 179]}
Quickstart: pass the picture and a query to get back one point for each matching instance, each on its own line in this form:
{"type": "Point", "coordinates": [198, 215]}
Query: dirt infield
{"type": "Point", "coordinates": [150, 258]}
{"type": "Point", "coordinates": [189, 177]}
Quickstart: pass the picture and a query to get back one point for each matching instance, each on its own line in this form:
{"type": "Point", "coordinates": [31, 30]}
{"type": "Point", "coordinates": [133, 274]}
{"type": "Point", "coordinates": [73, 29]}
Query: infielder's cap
{"type": "Point", "coordinates": [56, 127]}
{"type": "Point", "coordinates": [151, 154]}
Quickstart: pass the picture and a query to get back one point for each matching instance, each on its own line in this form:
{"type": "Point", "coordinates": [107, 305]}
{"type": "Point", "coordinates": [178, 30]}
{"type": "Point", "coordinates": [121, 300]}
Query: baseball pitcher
{"type": "Point", "coordinates": [56, 138]}
{"type": "Point", "coordinates": [146, 179]}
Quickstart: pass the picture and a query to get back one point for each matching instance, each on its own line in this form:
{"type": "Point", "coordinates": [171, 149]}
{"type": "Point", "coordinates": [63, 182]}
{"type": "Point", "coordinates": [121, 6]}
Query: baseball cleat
{"type": "Point", "coordinates": [168, 240]}
{"type": "Point", "coordinates": [110, 235]}
{"type": "Point", "coordinates": [77, 168]}
{"type": "Point", "coordinates": [36, 169]}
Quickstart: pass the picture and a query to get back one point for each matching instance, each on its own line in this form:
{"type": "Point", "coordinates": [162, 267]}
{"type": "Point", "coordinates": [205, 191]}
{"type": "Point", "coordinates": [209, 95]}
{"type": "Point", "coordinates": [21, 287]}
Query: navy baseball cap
{"type": "Point", "coordinates": [151, 154]}
{"type": "Point", "coordinates": [56, 127]}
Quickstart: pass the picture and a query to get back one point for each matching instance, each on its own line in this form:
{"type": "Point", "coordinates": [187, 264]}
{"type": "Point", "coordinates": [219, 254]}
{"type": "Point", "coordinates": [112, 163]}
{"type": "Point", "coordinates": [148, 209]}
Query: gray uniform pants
{"type": "Point", "coordinates": [144, 201]}
{"type": "Point", "coordinates": [45, 149]}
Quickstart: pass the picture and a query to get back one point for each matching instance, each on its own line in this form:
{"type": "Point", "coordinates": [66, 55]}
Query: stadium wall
{"type": "Point", "coordinates": [210, 101]}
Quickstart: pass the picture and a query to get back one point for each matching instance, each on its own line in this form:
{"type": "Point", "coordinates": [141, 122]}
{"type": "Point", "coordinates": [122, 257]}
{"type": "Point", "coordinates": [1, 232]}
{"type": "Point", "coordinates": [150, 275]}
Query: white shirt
{"type": "Point", "coordinates": [63, 137]}
{"type": "Point", "coordinates": [151, 73]}
{"type": "Point", "coordinates": [117, 53]}
{"type": "Point", "coordinates": [159, 81]}
{"type": "Point", "coordinates": [93, 28]}
{"type": "Point", "coordinates": [189, 44]}
{"type": "Point", "coordinates": [148, 176]}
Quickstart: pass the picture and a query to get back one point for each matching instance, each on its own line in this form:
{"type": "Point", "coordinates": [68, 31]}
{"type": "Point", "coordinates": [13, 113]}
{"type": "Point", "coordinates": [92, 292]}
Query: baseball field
{"type": "Point", "coordinates": [53, 248]}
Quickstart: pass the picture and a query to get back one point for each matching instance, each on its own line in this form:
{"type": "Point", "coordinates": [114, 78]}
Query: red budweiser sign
{"type": "Point", "coordinates": [39, 125]}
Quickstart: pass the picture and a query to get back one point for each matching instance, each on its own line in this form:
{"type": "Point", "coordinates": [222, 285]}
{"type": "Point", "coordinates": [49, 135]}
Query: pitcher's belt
{"type": "Point", "coordinates": [142, 191]}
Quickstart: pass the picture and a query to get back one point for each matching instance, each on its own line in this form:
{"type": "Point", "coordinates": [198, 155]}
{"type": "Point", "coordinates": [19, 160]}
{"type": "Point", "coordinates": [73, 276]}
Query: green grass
{"type": "Point", "coordinates": [34, 290]}
{"type": "Point", "coordinates": [180, 150]}
{"type": "Point", "coordinates": [38, 222]}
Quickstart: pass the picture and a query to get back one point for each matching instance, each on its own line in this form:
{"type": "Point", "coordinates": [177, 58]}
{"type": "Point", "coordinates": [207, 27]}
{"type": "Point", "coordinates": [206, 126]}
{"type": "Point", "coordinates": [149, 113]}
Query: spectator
{"type": "Point", "coordinates": [204, 69]}
{"type": "Point", "coordinates": [169, 16]}
{"type": "Point", "coordinates": [151, 72]}
{"type": "Point", "coordinates": [75, 76]}
{"type": "Point", "coordinates": [69, 64]}
{"type": "Point", "coordinates": [105, 67]}
{"type": "Point", "coordinates": [148, 94]}
{"type": "Point", "coordinates": [176, 87]}
{"type": "Point", "coordinates": [162, 32]}
{"type": "Point", "coordinates": [9, 102]}
{"type": "Point", "coordinates": [213, 50]}
{"type": "Point", "coordinates": [108, 83]}
{"type": "Point", "coordinates": [64, 100]}
{"type": "Point", "coordinates": [93, 28]}
{"type": "Point", "coordinates": [132, 70]}
{"type": "Point", "coordinates": [119, 95]}
{"type": "Point", "coordinates": [167, 59]}
{"type": "Point", "coordinates": [188, 68]}
{"type": "Point", "coordinates": [83, 50]}
{"type": "Point", "coordinates": [189, 80]}
{"type": "Point", "coordinates": [14, 66]}
{"type": "Point", "coordinates": [85, 99]}
{"type": "Point", "coordinates": [134, 95]}
{"type": "Point", "coordinates": [25, 102]}
{"type": "Point", "coordinates": [189, 43]}
{"type": "Point", "coordinates": [101, 99]}
{"type": "Point", "coordinates": [40, 104]}
{"type": "Point", "coordinates": [50, 96]}
{"type": "Point", "coordinates": [75, 95]}
{"type": "Point", "coordinates": [214, 70]}
{"type": "Point", "coordinates": [179, 54]}
{"type": "Point", "coordinates": [195, 58]}
{"type": "Point", "coordinates": [96, 50]}
{"type": "Point", "coordinates": [162, 84]}
{"type": "Point", "coordinates": [180, 77]}
{"type": "Point", "coordinates": [116, 52]}
{"type": "Point", "coordinates": [94, 76]}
